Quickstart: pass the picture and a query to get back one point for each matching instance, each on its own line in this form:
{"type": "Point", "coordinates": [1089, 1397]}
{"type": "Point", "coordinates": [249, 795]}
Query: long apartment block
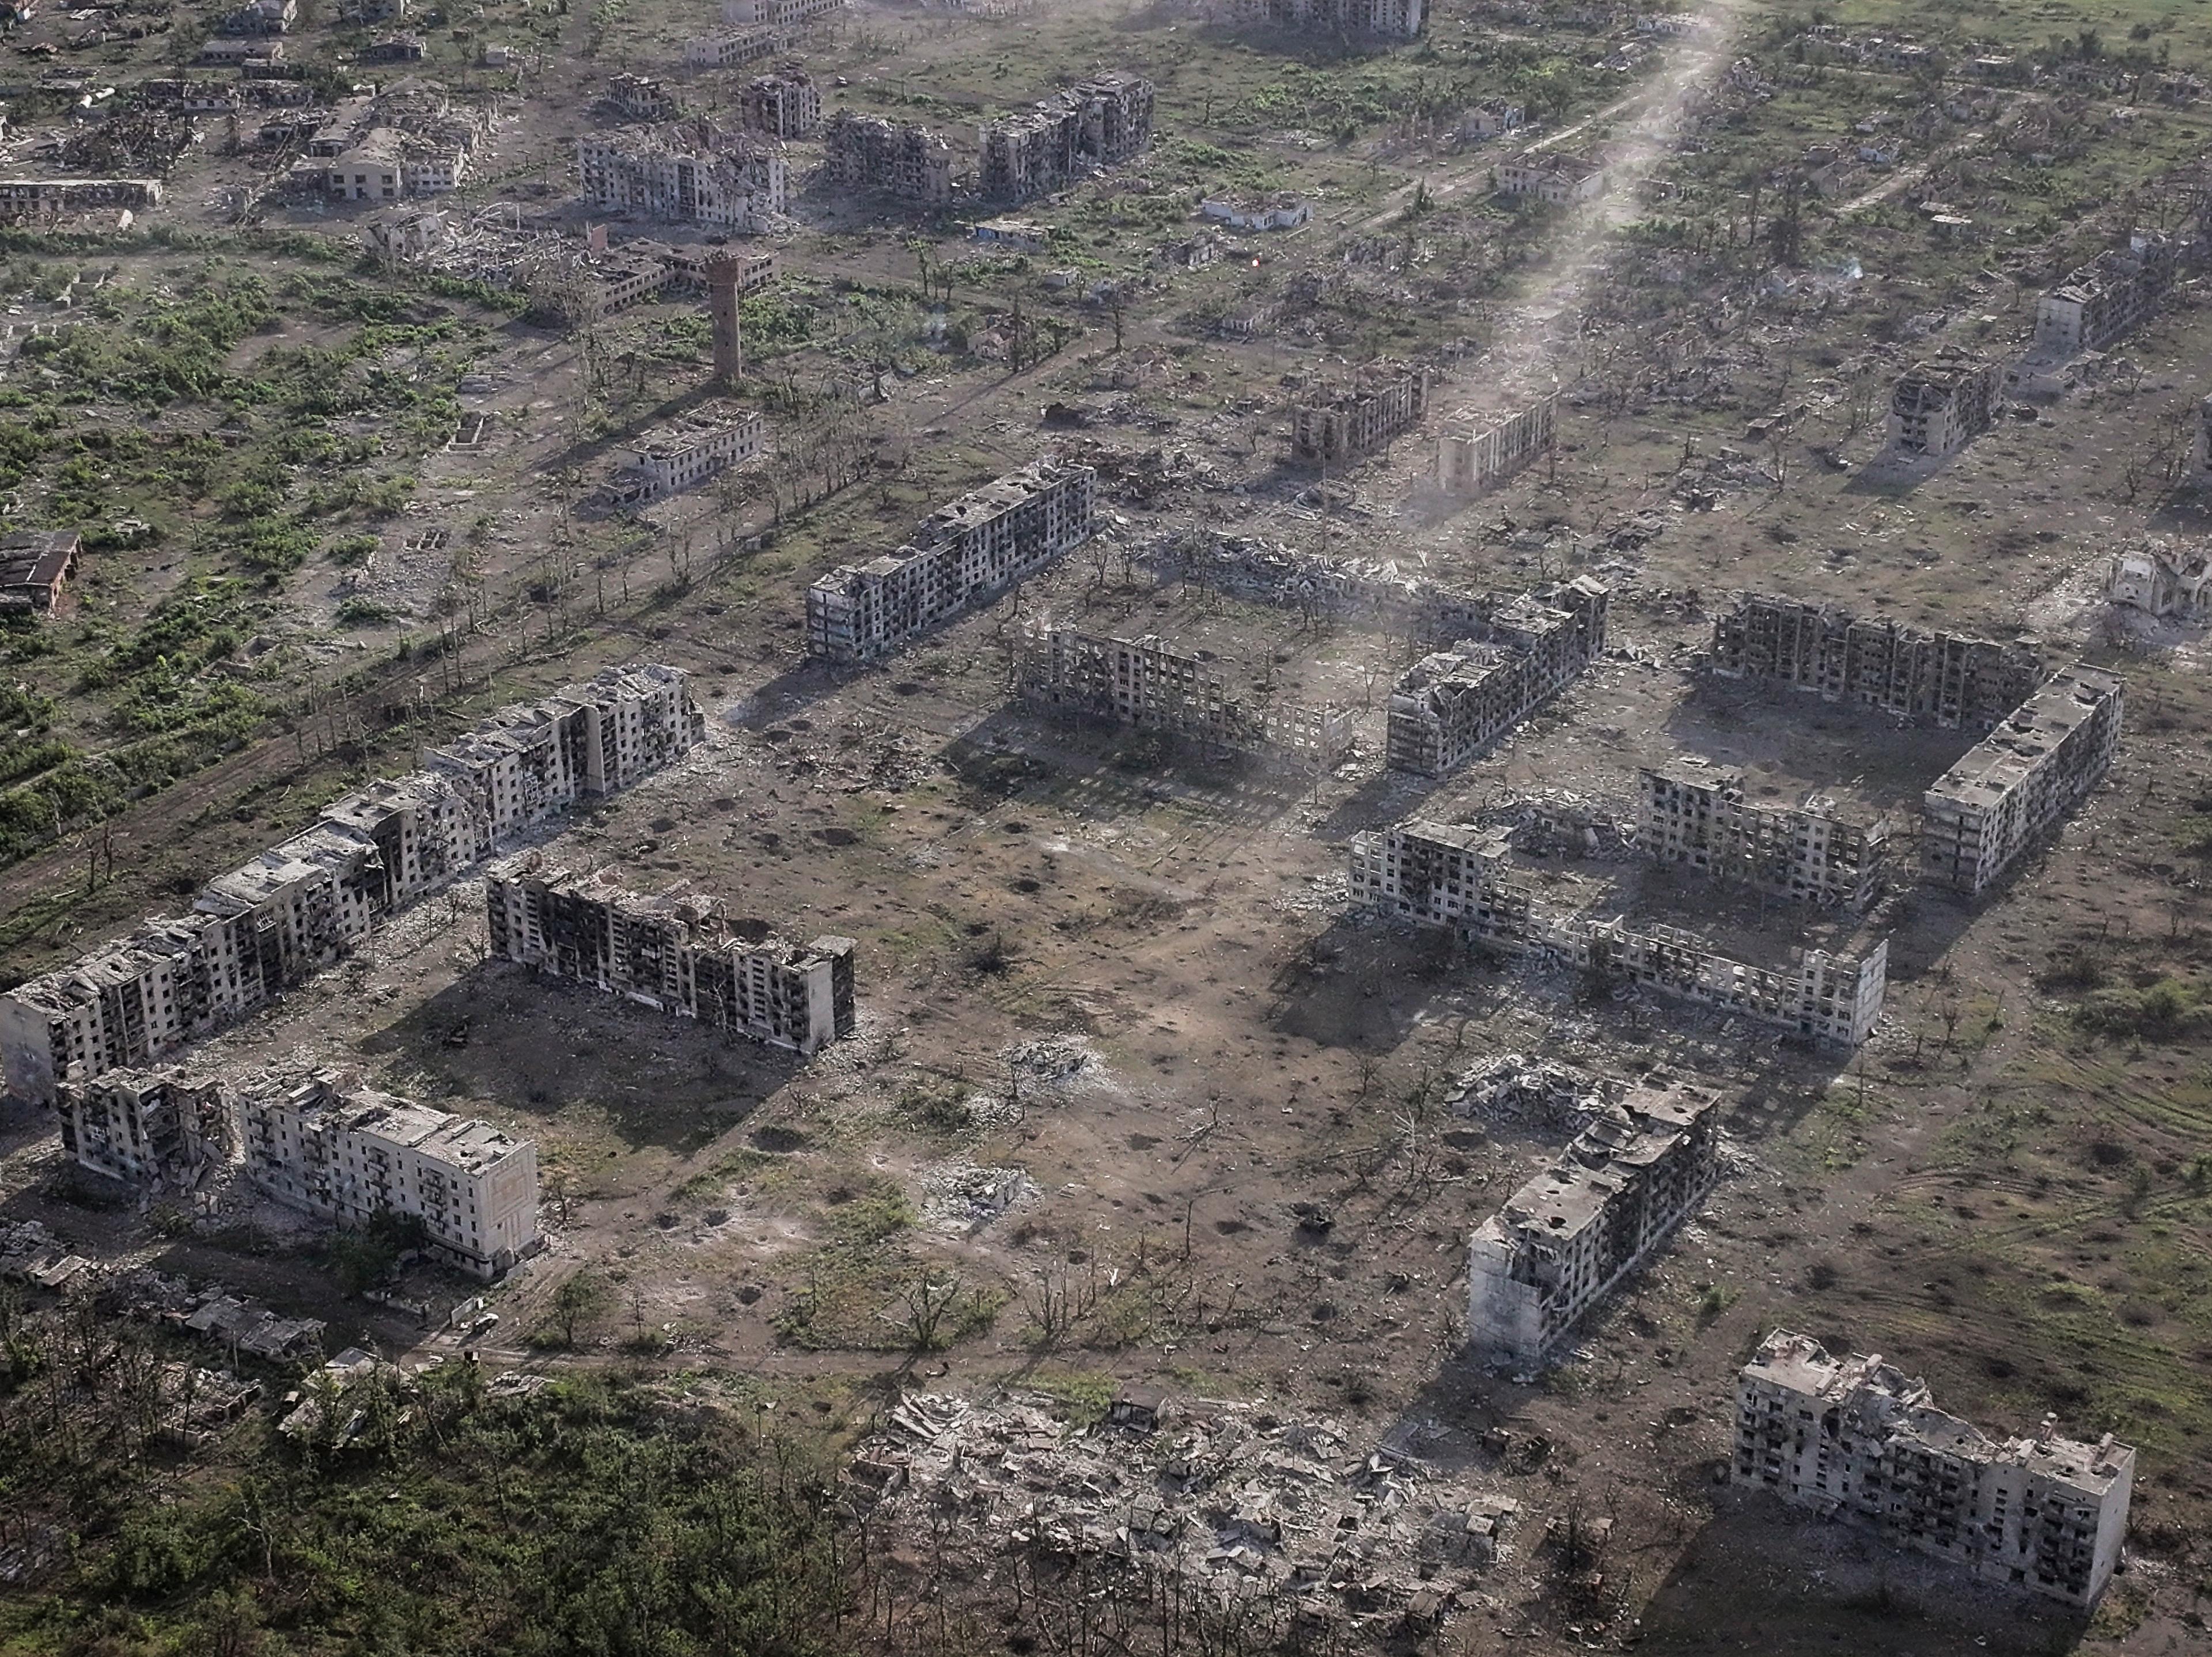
{"type": "Point", "coordinates": [1568, 1236]}
{"type": "Point", "coordinates": [678, 954]}
{"type": "Point", "coordinates": [1856, 1440]}
{"type": "Point", "coordinates": [687, 172]}
{"type": "Point", "coordinates": [1143, 683]}
{"type": "Point", "coordinates": [2021, 779]}
{"type": "Point", "coordinates": [962, 557]}
{"type": "Point", "coordinates": [1958, 682]}
{"type": "Point", "coordinates": [1452, 704]}
{"type": "Point", "coordinates": [1342, 422]}
{"type": "Point", "coordinates": [866, 152]}
{"type": "Point", "coordinates": [1699, 818]}
{"type": "Point", "coordinates": [152, 1128]}
{"type": "Point", "coordinates": [1477, 451]}
{"type": "Point", "coordinates": [274, 922]}
{"type": "Point", "coordinates": [1096, 123]}
{"type": "Point", "coordinates": [350, 1155]}
{"type": "Point", "coordinates": [1400, 19]}
{"type": "Point", "coordinates": [1463, 877]}
{"type": "Point", "coordinates": [2106, 298]}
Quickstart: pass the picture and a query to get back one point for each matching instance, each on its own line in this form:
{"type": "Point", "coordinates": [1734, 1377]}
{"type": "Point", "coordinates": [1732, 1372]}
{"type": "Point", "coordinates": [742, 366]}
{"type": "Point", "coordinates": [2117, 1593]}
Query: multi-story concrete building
{"type": "Point", "coordinates": [866, 152]}
{"type": "Point", "coordinates": [1463, 877]}
{"type": "Point", "coordinates": [2021, 779]}
{"type": "Point", "coordinates": [350, 1155]}
{"type": "Point", "coordinates": [776, 13]}
{"type": "Point", "coordinates": [146, 1127]}
{"type": "Point", "coordinates": [1856, 1439]}
{"type": "Point", "coordinates": [676, 953]}
{"type": "Point", "coordinates": [690, 172]}
{"type": "Point", "coordinates": [2106, 298]}
{"type": "Point", "coordinates": [641, 98]}
{"type": "Point", "coordinates": [1551, 175]}
{"type": "Point", "coordinates": [1399, 19]}
{"type": "Point", "coordinates": [1452, 704]}
{"type": "Point", "coordinates": [1477, 451]}
{"type": "Point", "coordinates": [1566, 1238]}
{"type": "Point", "coordinates": [705, 443]}
{"type": "Point", "coordinates": [1099, 122]}
{"type": "Point", "coordinates": [1143, 683]}
{"type": "Point", "coordinates": [1955, 681]}
{"type": "Point", "coordinates": [784, 105]}
{"type": "Point", "coordinates": [264, 928]}
{"type": "Point", "coordinates": [962, 555]}
{"type": "Point", "coordinates": [1939, 407]}
{"type": "Point", "coordinates": [1697, 816]}
{"type": "Point", "coordinates": [1344, 421]}
{"type": "Point", "coordinates": [732, 51]}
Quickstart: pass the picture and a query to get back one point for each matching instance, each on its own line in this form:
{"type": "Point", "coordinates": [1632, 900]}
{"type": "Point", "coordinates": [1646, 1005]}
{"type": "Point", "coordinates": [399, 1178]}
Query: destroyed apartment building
{"type": "Point", "coordinates": [1398, 19]}
{"type": "Point", "coordinates": [694, 172]}
{"type": "Point", "coordinates": [146, 1127]}
{"type": "Point", "coordinates": [348, 1154]}
{"type": "Point", "coordinates": [2108, 298]}
{"type": "Point", "coordinates": [1563, 1241]}
{"type": "Point", "coordinates": [732, 50]}
{"type": "Point", "coordinates": [1345, 421]}
{"type": "Point", "coordinates": [1959, 683]}
{"type": "Point", "coordinates": [641, 98]}
{"type": "Point", "coordinates": [784, 105]}
{"type": "Point", "coordinates": [275, 922]}
{"type": "Point", "coordinates": [2024, 776]}
{"type": "Point", "coordinates": [1351, 591]}
{"type": "Point", "coordinates": [1856, 1440]}
{"type": "Point", "coordinates": [2162, 579]}
{"type": "Point", "coordinates": [410, 140]}
{"type": "Point", "coordinates": [1692, 814]}
{"type": "Point", "coordinates": [961, 556]}
{"type": "Point", "coordinates": [1938, 407]}
{"type": "Point", "coordinates": [866, 152]}
{"type": "Point", "coordinates": [704, 443]}
{"type": "Point", "coordinates": [1143, 683]}
{"type": "Point", "coordinates": [1476, 451]}
{"type": "Point", "coordinates": [1463, 877]}
{"type": "Point", "coordinates": [776, 13]}
{"type": "Point", "coordinates": [1099, 122]}
{"type": "Point", "coordinates": [1452, 704]}
{"type": "Point", "coordinates": [676, 953]}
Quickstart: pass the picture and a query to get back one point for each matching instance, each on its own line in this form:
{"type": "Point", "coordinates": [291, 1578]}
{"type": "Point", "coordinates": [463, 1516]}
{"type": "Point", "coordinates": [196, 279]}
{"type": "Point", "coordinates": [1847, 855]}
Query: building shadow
{"type": "Point", "coordinates": [538, 1048]}
{"type": "Point", "coordinates": [1760, 1575]}
{"type": "Point", "coordinates": [1366, 988]}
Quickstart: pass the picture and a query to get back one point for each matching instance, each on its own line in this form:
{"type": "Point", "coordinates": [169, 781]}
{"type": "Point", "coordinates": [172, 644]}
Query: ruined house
{"type": "Point", "coordinates": [2020, 780]}
{"type": "Point", "coordinates": [1700, 818]}
{"type": "Point", "coordinates": [689, 171]}
{"type": "Point", "coordinates": [145, 1127]}
{"type": "Point", "coordinates": [269, 925]}
{"type": "Point", "coordinates": [678, 954]}
{"type": "Point", "coordinates": [1451, 705]}
{"type": "Point", "coordinates": [1477, 451]}
{"type": "Point", "coordinates": [784, 105]}
{"type": "Point", "coordinates": [1143, 683]}
{"type": "Point", "coordinates": [1099, 122]}
{"type": "Point", "coordinates": [962, 555]}
{"type": "Point", "coordinates": [2162, 580]}
{"type": "Point", "coordinates": [1953, 680]}
{"type": "Point", "coordinates": [1567, 1237]}
{"type": "Point", "coordinates": [2106, 298]}
{"type": "Point", "coordinates": [866, 152]}
{"type": "Point", "coordinates": [1856, 1440]}
{"type": "Point", "coordinates": [1344, 421]}
{"type": "Point", "coordinates": [35, 566]}
{"type": "Point", "coordinates": [351, 1154]}
{"type": "Point", "coordinates": [1938, 407]}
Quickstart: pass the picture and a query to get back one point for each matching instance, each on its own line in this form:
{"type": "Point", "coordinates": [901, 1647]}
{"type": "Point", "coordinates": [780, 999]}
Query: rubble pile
{"type": "Point", "coordinates": [1514, 1088]}
{"type": "Point", "coordinates": [240, 1323]}
{"type": "Point", "coordinates": [1224, 1493]}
